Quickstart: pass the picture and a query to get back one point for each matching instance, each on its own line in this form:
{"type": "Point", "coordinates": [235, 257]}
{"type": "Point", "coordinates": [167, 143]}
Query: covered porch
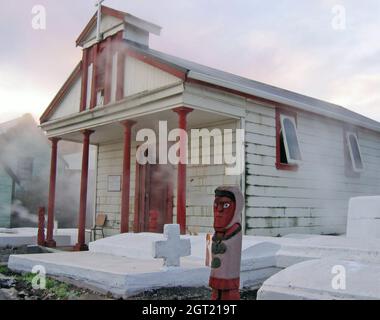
{"type": "Point", "coordinates": [140, 197]}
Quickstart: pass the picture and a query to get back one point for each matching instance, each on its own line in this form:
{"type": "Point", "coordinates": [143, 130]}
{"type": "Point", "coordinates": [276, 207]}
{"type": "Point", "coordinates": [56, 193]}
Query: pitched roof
{"type": "Point", "coordinates": [237, 84]}
{"type": "Point", "coordinates": [126, 17]}
{"type": "Point", "coordinates": [61, 93]}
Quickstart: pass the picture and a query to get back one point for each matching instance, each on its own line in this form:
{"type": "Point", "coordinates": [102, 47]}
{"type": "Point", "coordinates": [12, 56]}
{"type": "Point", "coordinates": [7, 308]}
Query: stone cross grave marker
{"type": "Point", "coordinates": [173, 248]}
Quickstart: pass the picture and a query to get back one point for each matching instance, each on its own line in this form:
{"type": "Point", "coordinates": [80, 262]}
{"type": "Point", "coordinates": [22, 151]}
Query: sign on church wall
{"type": "Point", "coordinates": [114, 183]}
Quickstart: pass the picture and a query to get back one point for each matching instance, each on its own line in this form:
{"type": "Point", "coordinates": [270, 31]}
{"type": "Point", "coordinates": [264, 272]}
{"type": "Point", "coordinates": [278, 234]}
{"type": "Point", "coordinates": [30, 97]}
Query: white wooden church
{"type": "Point", "coordinates": [304, 158]}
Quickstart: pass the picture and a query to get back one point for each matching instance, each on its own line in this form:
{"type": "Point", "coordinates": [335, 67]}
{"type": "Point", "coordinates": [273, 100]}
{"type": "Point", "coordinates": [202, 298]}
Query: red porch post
{"type": "Point", "coordinates": [181, 182]}
{"type": "Point", "coordinates": [126, 180]}
{"type": "Point", "coordinates": [41, 227]}
{"type": "Point", "coordinates": [81, 245]}
{"type": "Point", "coordinates": [51, 202]}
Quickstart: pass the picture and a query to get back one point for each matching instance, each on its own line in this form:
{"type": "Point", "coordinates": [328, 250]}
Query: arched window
{"type": "Point", "coordinates": [354, 151]}
{"type": "Point", "coordinates": [288, 151]}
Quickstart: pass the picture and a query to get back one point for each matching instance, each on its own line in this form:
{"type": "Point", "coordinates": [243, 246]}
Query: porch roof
{"type": "Point", "coordinates": [113, 131]}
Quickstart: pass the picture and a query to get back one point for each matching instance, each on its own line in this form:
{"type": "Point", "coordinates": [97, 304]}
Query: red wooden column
{"type": "Point", "coordinates": [51, 202]}
{"type": "Point", "coordinates": [181, 182]}
{"type": "Point", "coordinates": [126, 180]}
{"type": "Point", "coordinates": [41, 227]}
{"type": "Point", "coordinates": [81, 245]}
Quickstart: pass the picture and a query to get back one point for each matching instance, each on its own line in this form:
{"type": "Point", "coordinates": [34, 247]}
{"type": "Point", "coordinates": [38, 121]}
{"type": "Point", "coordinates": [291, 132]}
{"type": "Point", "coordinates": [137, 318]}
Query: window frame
{"type": "Point", "coordinates": [353, 167]}
{"type": "Point", "coordinates": [282, 112]}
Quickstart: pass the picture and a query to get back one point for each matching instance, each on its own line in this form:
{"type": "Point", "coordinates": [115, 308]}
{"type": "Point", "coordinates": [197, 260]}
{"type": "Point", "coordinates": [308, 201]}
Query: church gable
{"type": "Point", "coordinates": [140, 77]}
{"type": "Point", "coordinates": [109, 26]}
{"type": "Point", "coordinates": [70, 102]}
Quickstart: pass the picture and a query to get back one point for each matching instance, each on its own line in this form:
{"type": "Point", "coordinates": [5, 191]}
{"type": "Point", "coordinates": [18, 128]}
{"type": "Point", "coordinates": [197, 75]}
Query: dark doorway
{"type": "Point", "coordinates": [153, 197]}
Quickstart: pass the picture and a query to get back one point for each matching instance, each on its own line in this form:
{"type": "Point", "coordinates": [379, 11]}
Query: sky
{"type": "Point", "coordinates": [327, 49]}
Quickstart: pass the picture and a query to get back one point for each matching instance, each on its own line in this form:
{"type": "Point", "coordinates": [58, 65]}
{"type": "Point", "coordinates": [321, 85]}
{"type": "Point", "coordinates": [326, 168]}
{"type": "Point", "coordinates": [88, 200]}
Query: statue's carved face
{"type": "Point", "coordinates": [224, 210]}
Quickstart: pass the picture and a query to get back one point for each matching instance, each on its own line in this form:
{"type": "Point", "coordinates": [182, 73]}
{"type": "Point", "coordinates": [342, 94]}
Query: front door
{"type": "Point", "coordinates": [153, 197]}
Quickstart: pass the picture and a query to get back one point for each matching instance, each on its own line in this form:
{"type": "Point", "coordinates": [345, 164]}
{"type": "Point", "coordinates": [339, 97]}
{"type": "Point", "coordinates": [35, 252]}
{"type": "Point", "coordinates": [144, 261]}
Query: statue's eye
{"type": "Point", "coordinates": [226, 205]}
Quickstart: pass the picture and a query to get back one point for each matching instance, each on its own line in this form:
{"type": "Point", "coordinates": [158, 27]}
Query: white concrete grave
{"type": "Point", "coordinates": [28, 236]}
{"type": "Point", "coordinates": [364, 218]}
{"type": "Point", "coordinates": [324, 279]}
{"type": "Point", "coordinates": [123, 264]}
{"type": "Point", "coordinates": [173, 248]}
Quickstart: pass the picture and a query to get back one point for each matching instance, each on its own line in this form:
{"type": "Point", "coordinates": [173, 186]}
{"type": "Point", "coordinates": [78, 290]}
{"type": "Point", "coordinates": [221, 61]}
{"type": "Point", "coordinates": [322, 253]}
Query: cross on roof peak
{"type": "Point", "coordinates": [99, 17]}
{"type": "Point", "coordinates": [173, 248]}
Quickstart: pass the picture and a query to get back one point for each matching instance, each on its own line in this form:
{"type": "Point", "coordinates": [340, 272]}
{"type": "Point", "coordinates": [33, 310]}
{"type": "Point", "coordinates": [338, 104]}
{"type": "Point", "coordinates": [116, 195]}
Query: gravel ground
{"type": "Point", "coordinates": [188, 294]}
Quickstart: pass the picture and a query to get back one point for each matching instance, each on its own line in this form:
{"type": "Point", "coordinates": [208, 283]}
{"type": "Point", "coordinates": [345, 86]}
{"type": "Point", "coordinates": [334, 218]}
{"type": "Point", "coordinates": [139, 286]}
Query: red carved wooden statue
{"type": "Point", "coordinates": [226, 244]}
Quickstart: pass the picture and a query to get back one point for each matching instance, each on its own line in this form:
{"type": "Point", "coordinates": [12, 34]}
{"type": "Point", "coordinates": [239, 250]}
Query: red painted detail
{"type": "Point", "coordinates": [114, 13]}
{"type": "Point", "coordinates": [181, 183]}
{"type": "Point", "coordinates": [120, 75]}
{"type": "Point", "coordinates": [92, 23]}
{"type": "Point", "coordinates": [232, 91]}
{"type": "Point", "coordinates": [177, 72]}
{"type": "Point", "coordinates": [279, 165]}
{"type": "Point", "coordinates": [51, 202]}
{"type": "Point", "coordinates": [153, 221]}
{"type": "Point", "coordinates": [95, 49]}
{"type": "Point", "coordinates": [153, 193]}
{"type": "Point", "coordinates": [41, 227]}
{"type": "Point", "coordinates": [81, 245]}
{"type": "Point", "coordinates": [224, 284]}
{"type": "Point", "coordinates": [108, 71]}
{"type": "Point", "coordinates": [225, 295]}
{"type": "Point", "coordinates": [126, 180]}
{"type": "Point", "coordinates": [61, 93]}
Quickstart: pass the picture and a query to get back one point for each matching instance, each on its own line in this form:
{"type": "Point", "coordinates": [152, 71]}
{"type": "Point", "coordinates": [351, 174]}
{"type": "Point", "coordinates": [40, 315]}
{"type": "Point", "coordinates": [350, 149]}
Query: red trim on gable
{"type": "Point", "coordinates": [157, 64]}
{"type": "Point", "coordinates": [279, 165]}
{"type": "Point", "coordinates": [92, 23]}
{"type": "Point", "coordinates": [61, 93]}
{"type": "Point", "coordinates": [113, 12]}
{"type": "Point", "coordinates": [108, 70]}
{"type": "Point", "coordinates": [232, 91]}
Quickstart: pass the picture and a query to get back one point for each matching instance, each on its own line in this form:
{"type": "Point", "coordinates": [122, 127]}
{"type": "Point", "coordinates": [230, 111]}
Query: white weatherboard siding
{"type": "Point", "coordinates": [201, 183]}
{"type": "Point", "coordinates": [140, 77]}
{"type": "Point", "coordinates": [70, 103]}
{"type": "Point", "coordinates": [202, 180]}
{"type": "Point", "coordinates": [315, 198]}
{"type": "Point", "coordinates": [110, 162]}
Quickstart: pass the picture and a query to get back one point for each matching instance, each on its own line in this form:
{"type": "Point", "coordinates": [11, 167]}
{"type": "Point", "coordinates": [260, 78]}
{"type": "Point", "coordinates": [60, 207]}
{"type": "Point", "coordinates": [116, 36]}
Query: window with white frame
{"type": "Point", "coordinates": [354, 151]}
{"type": "Point", "coordinates": [290, 147]}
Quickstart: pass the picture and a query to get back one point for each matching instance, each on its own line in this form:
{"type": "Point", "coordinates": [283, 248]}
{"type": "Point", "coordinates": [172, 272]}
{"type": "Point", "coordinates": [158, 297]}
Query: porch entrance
{"type": "Point", "coordinates": [153, 197]}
